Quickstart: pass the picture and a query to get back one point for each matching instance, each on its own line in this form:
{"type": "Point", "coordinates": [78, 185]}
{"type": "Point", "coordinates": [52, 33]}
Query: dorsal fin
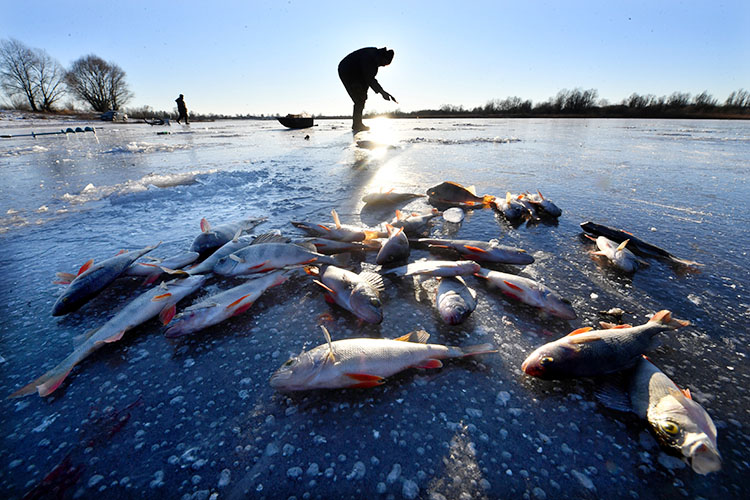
{"type": "Point", "coordinates": [205, 226]}
{"type": "Point", "coordinates": [330, 344]}
{"type": "Point", "coordinates": [580, 331]}
{"type": "Point", "coordinates": [270, 238]}
{"type": "Point", "coordinates": [540, 194]}
{"type": "Point", "coordinates": [373, 279]}
{"type": "Point", "coordinates": [417, 336]}
{"type": "Point", "coordinates": [237, 236]}
{"type": "Point", "coordinates": [85, 267]}
{"type": "Point", "coordinates": [336, 219]}
{"type": "Point", "coordinates": [622, 245]}
{"type": "Point", "coordinates": [472, 190]}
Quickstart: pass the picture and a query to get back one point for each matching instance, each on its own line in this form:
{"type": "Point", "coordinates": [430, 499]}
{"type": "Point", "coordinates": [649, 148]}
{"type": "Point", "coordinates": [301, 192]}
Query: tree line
{"type": "Point", "coordinates": [31, 77]}
{"type": "Point", "coordinates": [579, 102]}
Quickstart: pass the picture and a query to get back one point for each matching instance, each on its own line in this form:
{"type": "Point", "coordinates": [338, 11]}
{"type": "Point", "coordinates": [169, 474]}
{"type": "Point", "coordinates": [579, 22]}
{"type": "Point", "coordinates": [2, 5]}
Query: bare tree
{"type": "Point", "coordinates": [705, 100]}
{"type": "Point", "coordinates": [738, 98]}
{"type": "Point", "coordinates": [48, 79]}
{"type": "Point", "coordinates": [17, 69]}
{"type": "Point", "coordinates": [99, 83]}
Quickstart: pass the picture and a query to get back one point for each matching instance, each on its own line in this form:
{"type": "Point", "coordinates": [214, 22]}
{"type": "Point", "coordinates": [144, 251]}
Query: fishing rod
{"type": "Point", "coordinates": [68, 130]}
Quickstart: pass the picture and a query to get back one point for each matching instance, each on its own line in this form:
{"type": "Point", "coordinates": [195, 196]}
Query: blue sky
{"type": "Point", "coordinates": [281, 56]}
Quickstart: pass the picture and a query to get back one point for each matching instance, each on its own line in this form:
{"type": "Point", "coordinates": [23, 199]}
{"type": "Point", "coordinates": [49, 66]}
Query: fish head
{"type": "Point", "coordinates": [299, 372]}
{"type": "Point", "coordinates": [205, 242]}
{"type": "Point", "coordinates": [686, 429]}
{"type": "Point", "coordinates": [453, 309]}
{"type": "Point", "coordinates": [365, 303]}
{"type": "Point", "coordinates": [226, 266]}
{"type": "Point", "coordinates": [62, 305]}
{"type": "Point", "coordinates": [551, 361]}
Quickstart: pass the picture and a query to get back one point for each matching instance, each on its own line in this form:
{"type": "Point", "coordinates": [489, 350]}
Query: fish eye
{"type": "Point", "coordinates": [545, 360]}
{"type": "Point", "coordinates": [669, 427]}
{"type": "Point", "coordinates": [289, 362]}
{"type": "Point", "coordinates": [375, 302]}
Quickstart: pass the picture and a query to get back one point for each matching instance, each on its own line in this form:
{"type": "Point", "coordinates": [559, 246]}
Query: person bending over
{"type": "Point", "coordinates": [357, 72]}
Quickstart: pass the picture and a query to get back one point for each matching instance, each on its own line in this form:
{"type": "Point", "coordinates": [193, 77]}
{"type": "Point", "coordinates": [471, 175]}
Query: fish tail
{"type": "Point", "coordinates": [684, 262]}
{"type": "Point", "coordinates": [473, 350]}
{"type": "Point", "coordinates": [665, 318]}
{"type": "Point", "coordinates": [50, 381]}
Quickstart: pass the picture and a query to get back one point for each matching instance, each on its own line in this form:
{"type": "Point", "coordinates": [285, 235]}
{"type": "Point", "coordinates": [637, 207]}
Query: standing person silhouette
{"type": "Point", "coordinates": [357, 72]}
{"type": "Point", "coordinates": [182, 109]}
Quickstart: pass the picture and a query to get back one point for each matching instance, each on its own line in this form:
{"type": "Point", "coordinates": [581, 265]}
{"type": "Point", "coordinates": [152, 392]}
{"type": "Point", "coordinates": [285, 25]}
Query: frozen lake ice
{"type": "Point", "coordinates": [196, 417]}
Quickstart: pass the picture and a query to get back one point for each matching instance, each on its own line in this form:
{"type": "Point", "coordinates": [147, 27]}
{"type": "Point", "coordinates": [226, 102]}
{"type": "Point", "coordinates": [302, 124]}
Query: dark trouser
{"type": "Point", "coordinates": [183, 114]}
{"type": "Point", "coordinates": [358, 92]}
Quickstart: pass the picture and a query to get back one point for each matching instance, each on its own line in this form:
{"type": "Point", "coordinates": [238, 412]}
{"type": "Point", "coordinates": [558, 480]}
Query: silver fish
{"type": "Point", "coordinates": [223, 305]}
{"type": "Point", "coordinates": [212, 238]}
{"type": "Point", "coordinates": [396, 248]}
{"type": "Point", "coordinates": [454, 300]}
{"type": "Point", "coordinates": [267, 257]}
{"type": "Point", "coordinates": [481, 251]}
{"type": "Point", "coordinates": [414, 224]}
{"type": "Point", "coordinates": [618, 255]}
{"type": "Point", "coordinates": [680, 424]}
{"type": "Point", "coordinates": [588, 353]}
{"type": "Point", "coordinates": [544, 205]}
{"type": "Point", "coordinates": [357, 293]}
{"type": "Point", "coordinates": [159, 300]}
{"type": "Point", "coordinates": [364, 362]}
{"type": "Point", "coordinates": [332, 247]}
{"type": "Point", "coordinates": [529, 292]}
{"type": "Point", "coordinates": [337, 231]}
{"type": "Point", "coordinates": [93, 278]}
{"type": "Point", "coordinates": [388, 197]}
{"type": "Point", "coordinates": [233, 245]}
{"type": "Point", "coordinates": [436, 268]}
{"type": "Point", "coordinates": [510, 207]}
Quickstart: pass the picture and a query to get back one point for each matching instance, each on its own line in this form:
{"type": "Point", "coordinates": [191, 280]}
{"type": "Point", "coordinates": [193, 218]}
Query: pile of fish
{"type": "Point", "coordinates": [268, 260]}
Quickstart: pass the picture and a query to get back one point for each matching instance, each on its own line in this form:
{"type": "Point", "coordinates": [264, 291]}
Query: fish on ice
{"type": "Point", "coordinates": [266, 257]}
{"type": "Point", "coordinates": [452, 193]}
{"type": "Point", "coordinates": [338, 231]}
{"type": "Point", "coordinates": [212, 238]}
{"type": "Point", "coordinates": [364, 362]}
{"type": "Point", "coordinates": [454, 300]}
{"type": "Point", "coordinates": [388, 197]}
{"type": "Point", "coordinates": [529, 292]}
{"type": "Point", "coordinates": [357, 293]}
{"type": "Point", "coordinates": [618, 255]}
{"type": "Point", "coordinates": [159, 300]}
{"type": "Point", "coordinates": [223, 305]}
{"type": "Point", "coordinates": [587, 353]}
{"type": "Point", "coordinates": [635, 244]}
{"type": "Point", "coordinates": [395, 249]}
{"type": "Point", "coordinates": [93, 278]}
{"type": "Point", "coordinates": [481, 251]}
{"type": "Point", "coordinates": [680, 424]}
{"type": "Point", "coordinates": [436, 268]}
{"type": "Point", "coordinates": [414, 224]}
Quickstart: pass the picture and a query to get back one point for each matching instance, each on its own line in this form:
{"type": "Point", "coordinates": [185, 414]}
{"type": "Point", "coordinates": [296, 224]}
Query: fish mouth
{"type": "Point", "coordinates": [530, 369]}
{"type": "Point", "coordinates": [704, 458]}
{"type": "Point", "coordinates": [279, 380]}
